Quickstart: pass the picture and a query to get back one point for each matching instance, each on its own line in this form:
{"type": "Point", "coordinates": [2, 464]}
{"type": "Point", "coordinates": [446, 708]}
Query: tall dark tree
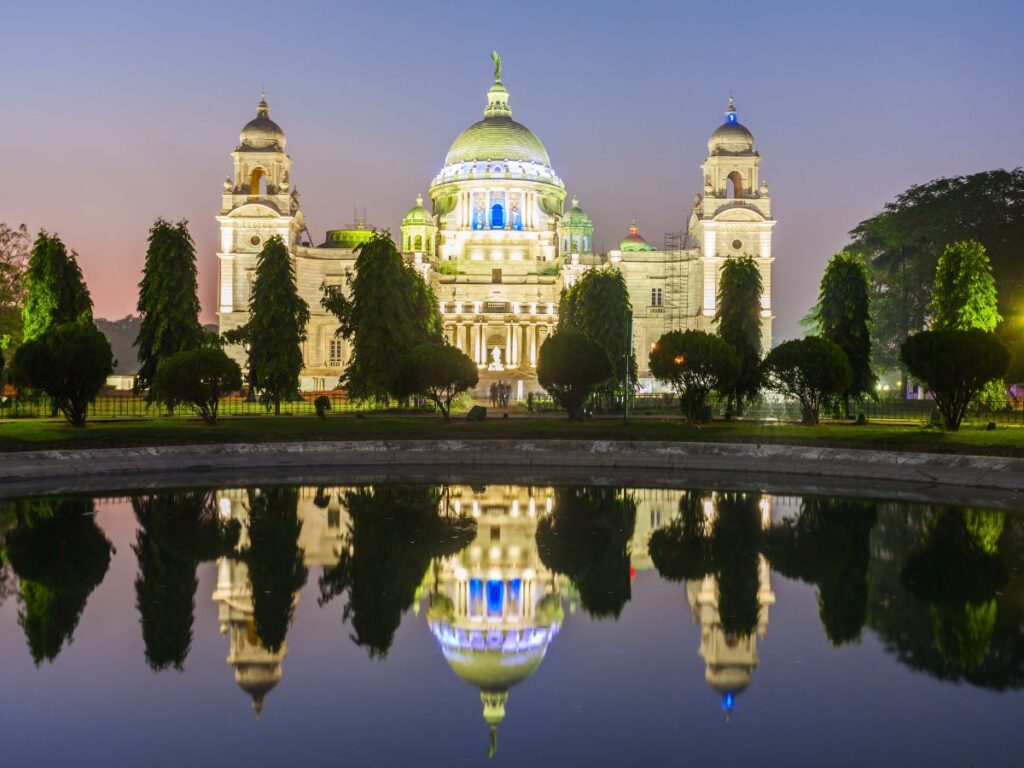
{"type": "Point", "coordinates": [14, 250]}
{"type": "Point", "coordinates": [388, 311]}
{"type": "Point", "coordinates": [905, 240]}
{"type": "Point", "coordinates": [394, 532]}
{"type": "Point", "coordinates": [739, 324]}
{"type": "Point", "coordinates": [60, 556]}
{"type": "Point", "coordinates": [587, 538]}
{"type": "Point", "coordinates": [55, 292]}
{"type": "Point", "coordinates": [277, 325]}
{"type": "Point", "coordinates": [275, 562]}
{"type": "Point", "coordinates": [168, 299]}
{"type": "Point", "coordinates": [844, 318]}
{"type": "Point", "coordinates": [177, 531]}
{"type": "Point", "coordinates": [598, 305]}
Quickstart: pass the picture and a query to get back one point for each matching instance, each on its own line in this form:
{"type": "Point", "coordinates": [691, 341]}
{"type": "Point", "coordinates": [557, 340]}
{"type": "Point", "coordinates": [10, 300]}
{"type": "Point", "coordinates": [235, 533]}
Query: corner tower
{"type": "Point", "coordinates": [733, 217]}
{"type": "Point", "coordinates": [258, 202]}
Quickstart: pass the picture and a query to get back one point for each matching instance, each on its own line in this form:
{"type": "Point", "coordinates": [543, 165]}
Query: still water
{"type": "Point", "coordinates": [420, 625]}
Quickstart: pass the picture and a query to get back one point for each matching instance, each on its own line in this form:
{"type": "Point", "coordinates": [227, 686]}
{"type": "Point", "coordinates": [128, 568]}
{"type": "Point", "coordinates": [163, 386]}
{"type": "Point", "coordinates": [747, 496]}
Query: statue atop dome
{"type": "Point", "coordinates": [497, 66]}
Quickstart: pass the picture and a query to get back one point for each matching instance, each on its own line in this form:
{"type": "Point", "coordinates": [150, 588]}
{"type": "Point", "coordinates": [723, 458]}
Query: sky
{"type": "Point", "coordinates": [115, 113]}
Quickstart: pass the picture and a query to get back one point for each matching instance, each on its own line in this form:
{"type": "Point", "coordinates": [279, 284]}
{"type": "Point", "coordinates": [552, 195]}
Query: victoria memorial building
{"type": "Point", "coordinates": [498, 241]}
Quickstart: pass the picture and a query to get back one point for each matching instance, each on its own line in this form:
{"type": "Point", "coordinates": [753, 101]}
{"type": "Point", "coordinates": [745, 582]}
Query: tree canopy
{"type": "Point", "coordinates": [739, 324]}
{"type": "Point", "coordinates": [843, 314]}
{"type": "Point", "coordinates": [14, 250]}
{"type": "Point", "coordinates": [69, 363]}
{"type": "Point", "coordinates": [277, 325]}
{"type": "Point", "coordinates": [964, 293]}
{"type": "Point", "coordinates": [810, 370]}
{"type": "Point", "coordinates": [440, 372]}
{"type": "Point", "coordinates": [388, 311]}
{"type": "Point", "coordinates": [168, 299]}
{"type": "Point", "coordinates": [55, 292]}
{"type": "Point", "coordinates": [955, 366]}
{"type": "Point", "coordinates": [598, 305]}
{"type": "Point", "coordinates": [198, 378]}
{"type": "Point", "coordinates": [694, 363]}
{"type": "Point", "coordinates": [570, 366]}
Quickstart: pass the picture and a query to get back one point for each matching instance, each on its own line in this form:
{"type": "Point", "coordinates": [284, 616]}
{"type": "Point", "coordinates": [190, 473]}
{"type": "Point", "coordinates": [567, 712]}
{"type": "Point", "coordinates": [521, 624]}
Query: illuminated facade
{"type": "Point", "coordinates": [497, 244]}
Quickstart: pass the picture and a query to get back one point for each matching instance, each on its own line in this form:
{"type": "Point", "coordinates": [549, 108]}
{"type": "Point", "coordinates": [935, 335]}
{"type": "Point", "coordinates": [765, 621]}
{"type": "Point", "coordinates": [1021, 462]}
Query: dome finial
{"type": "Point", "coordinates": [419, 200]}
{"type": "Point", "coordinates": [575, 202]}
{"type": "Point", "coordinates": [497, 66]}
{"type": "Point", "coordinates": [730, 111]}
{"type": "Point", "coordinates": [263, 109]}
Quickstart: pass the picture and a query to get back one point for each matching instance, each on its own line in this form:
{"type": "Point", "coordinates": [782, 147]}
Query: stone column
{"type": "Point", "coordinates": [532, 333]}
{"type": "Point", "coordinates": [508, 345]}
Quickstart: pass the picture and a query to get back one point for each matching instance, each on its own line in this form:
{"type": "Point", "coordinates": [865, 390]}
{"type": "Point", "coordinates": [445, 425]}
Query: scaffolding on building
{"type": "Point", "coordinates": [677, 280]}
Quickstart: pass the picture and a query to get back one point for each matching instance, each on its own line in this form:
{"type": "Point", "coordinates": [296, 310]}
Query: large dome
{"type": "Point", "coordinates": [497, 136]}
{"type": "Point", "coordinates": [261, 132]}
{"type": "Point", "coordinates": [731, 138]}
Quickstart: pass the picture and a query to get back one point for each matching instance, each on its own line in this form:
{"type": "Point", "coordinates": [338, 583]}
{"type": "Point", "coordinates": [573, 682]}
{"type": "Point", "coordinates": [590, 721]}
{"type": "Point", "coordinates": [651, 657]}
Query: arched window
{"type": "Point", "coordinates": [419, 243]}
{"type": "Point", "coordinates": [497, 216]}
{"type": "Point", "coordinates": [258, 182]}
{"type": "Point", "coordinates": [734, 185]}
{"type": "Point", "coordinates": [429, 249]}
{"type": "Point", "coordinates": [586, 244]}
{"type": "Point", "coordinates": [565, 244]}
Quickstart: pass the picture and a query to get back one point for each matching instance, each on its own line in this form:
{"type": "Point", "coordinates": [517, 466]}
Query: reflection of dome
{"type": "Point", "coordinates": [728, 679]}
{"type": "Point", "coordinates": [634, 241]}
{"type": "Point", "coordinates": [417, 214]}
{"type": "Point", "coordinates": [730, 138]}
{"type": "Point", "coordinates": [257, 680]}
{"type": "Point", "coordinates": [261, 132]}
{"type": "Point", "coordinates": [497, 136]}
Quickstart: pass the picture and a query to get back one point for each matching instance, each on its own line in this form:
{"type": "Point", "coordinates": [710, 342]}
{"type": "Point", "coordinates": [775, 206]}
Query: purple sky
{"type": "Point", "coordinates": [115, 113]}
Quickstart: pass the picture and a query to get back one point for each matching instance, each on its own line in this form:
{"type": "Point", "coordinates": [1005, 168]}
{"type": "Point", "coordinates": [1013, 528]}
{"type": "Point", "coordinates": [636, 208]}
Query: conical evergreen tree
{"type": "Point", "coordinates": [55, 290]}
{"type": "Point", "coordinates": [389, 311]}
{"type": "Point", "coordinates": [964, 294]}
{"type": "Point", "coordinates": [168, 299]}
{"type": "Point", "coordinates": [843, 314]}
{"type": "Point", "coordinates": [739, 323]}
{"type": "Point", "coordinates": [277, 325]}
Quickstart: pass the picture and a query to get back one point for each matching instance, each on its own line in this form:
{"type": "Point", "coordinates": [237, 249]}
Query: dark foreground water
{"type": "Point", "coordinates": [421, 626]}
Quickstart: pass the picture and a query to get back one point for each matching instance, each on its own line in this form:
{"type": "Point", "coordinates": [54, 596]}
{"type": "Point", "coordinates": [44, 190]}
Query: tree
{"type": "Point", "coordinates": [60, 556]}
{"type": "Point", "coordinates": [168, 300]}
{"type": "Point", "coordinates": [955, 366]}
{"type": "Point", "coordinates": [739, 324]}
{"type": "Point", "coordinates": [389, 310]}
{"type": "Point", "coordinates": [587, 538]}
{"type": "Point", "coordinates": [69, 363]}
{"type": "Point", "coordinates": [598, 305]}
{"type": "Point", "coordinates": [14, 249]}
{"type": "Point", "coordinates": [810, 370]}
{"type": "Point", "coordinates": [570, 366]}
{"type": "Point", "coordinates": [277, 325]}
{"type": "Point", "coordinates": [694, 363]}
{"type": "Point", "coordinates": [440, 372]}
{"type": "Point", "coordinates": [964, 294]}
{"type": "Point", "coordinates": [905, 240]}
{"type": "Point", "coordinates": [197, 378]}
{"type": "Point", "coordinates": [843, 316]}
{"type": "Point", "coordinates": [55, 292]}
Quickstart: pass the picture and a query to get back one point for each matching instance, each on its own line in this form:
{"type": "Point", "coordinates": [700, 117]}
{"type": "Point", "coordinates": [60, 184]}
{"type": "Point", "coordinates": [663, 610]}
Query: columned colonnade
{"type": "Point", "coordinates": [522, 339]}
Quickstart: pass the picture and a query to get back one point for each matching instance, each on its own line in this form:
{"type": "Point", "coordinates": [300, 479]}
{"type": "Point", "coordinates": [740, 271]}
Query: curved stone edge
{"type": "Point", "coordinates": [990, 473]}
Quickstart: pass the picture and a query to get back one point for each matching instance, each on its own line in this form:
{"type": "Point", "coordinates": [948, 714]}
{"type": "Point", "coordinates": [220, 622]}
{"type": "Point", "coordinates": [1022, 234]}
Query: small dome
{"type": "Point", "coordinates": [634, 241]}
{"type": "Point", "coordinates": [262, 133]}
{"type": "Point", "coordinates": [576, 216]}
{"type": "Point", "coordinates": [418, 214]}
{"type": "Point", "coordinates": [731, 138]}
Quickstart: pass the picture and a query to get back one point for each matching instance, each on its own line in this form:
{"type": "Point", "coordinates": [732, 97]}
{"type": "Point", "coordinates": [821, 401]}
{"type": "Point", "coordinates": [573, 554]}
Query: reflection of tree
{"type": "Point", "coordinates": [942, 597]}
{"type": "Point", "coordinates": [60, 556]}
{"type": "Point", "coordinates": [177, 531]}
{"type": "Point", "coordinates": [274, 560]}
{"type": "Point", "coordinates": [828, 544]}
{"type": "Point", "coordinates": [725, 543]}
{"type": "Point", "coordinates": [587, 538]}
{"type": "Point", "coordinates": [394, 532]}
{"type": "Point", "coordinates": [957, 571]}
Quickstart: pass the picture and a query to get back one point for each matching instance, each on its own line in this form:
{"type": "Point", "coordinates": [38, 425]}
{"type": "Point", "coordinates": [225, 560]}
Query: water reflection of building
{"type": "Point", "coordinates": [494, 607]}
{"type": "Point", "coordinates": [323, 522]}
{"type": "Point", "coordinates": [654, 508]}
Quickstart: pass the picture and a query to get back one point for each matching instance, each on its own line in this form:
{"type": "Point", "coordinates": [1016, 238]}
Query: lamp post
{"type": "Point", "coordinates": [250, 396]}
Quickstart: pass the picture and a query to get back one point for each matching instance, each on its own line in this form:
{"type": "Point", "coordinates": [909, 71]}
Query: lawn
{"type": "Point", "coordinates": [35, 434]}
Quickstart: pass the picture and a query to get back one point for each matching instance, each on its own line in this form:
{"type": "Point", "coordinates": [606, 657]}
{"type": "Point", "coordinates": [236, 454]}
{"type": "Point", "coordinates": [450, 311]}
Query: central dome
{"type": "Point", "coordinates": [497, 138]}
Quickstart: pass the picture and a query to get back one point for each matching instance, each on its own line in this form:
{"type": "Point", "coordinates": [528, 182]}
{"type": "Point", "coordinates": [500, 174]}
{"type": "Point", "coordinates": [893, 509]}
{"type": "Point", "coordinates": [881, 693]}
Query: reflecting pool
{"type": "Point", "coordinates": [422, 625]}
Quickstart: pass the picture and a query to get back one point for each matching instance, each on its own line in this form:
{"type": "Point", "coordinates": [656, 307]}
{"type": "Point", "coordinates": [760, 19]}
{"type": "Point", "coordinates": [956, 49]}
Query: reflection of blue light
{"type": "Point", "coordinates": [515, 588]}
{"type": "Point", "coordinates": [495, 596]}
{"type": "Point", "coordinates": [728, 701]}
{"type": "Point", "coordinates": [476, 596]}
